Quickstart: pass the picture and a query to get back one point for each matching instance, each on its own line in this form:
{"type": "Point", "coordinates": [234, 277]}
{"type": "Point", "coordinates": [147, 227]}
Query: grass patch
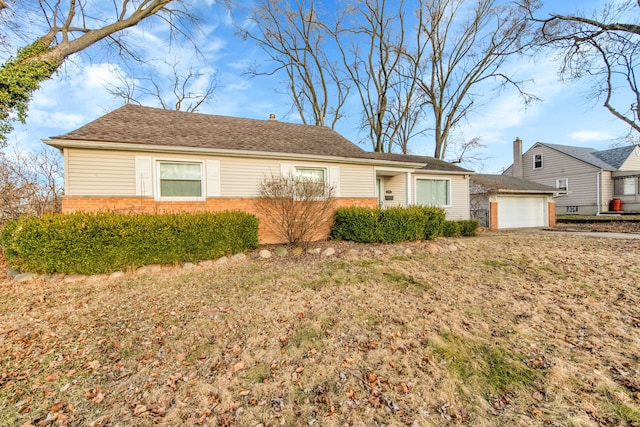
{"type": "Point", "coordinates": [257, 374]}
{"type": "Point", "coordinates": [486, 370]}
{"type": "Point", "coordinates": [495, 263]}
{"type": "Point", "coordinates": [403, 281]}
{"type": "Point", "coordinates": [306, 337]}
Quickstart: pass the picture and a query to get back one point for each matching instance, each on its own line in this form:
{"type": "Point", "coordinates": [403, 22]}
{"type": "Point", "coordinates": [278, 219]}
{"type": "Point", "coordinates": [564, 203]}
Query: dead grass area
{"type": "Point", "coordinates": [616, 226]}
{"type": "Point", "coordinates": [512, 329]}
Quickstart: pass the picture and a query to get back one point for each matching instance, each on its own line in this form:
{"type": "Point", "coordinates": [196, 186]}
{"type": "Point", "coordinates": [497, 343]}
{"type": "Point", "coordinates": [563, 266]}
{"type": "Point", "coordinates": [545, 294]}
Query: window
{"type": "Point", "coordinates": [180, 180]}
{"type": "Point", "coordinates": [311, 183]}
{"type": "Point", "coordinates": [562, 184]}
{"type": "Point", "coordinates": [572, 209]}
{"type": "Point", "coordinates": [311, 175]}
{"type": "Point", "coordinates": [537, 161]}
{"type": "Point", "coordinates": [624, 185]}
{"type": "Point", "coordinates": [433, 192]}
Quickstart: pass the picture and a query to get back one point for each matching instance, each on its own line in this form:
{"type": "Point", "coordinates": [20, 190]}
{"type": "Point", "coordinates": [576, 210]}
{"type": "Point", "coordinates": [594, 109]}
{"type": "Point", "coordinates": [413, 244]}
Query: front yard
{"type": "Point", "coordinates": [502, 329]}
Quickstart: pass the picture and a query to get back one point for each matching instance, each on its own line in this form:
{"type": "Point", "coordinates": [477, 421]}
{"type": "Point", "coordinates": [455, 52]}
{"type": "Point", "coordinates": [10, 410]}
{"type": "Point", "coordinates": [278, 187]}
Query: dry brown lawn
{"type": "Point", "coordinates": [509, 330]}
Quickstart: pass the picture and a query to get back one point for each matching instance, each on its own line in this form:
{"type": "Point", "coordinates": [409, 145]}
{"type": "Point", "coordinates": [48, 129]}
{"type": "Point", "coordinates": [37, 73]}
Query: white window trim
{"type": "Point", "coordinates": [156, 179]}
{"type": "Point", "coordinates": [432, 178]}
{"type": "Point", "coordinates": [541, 161]}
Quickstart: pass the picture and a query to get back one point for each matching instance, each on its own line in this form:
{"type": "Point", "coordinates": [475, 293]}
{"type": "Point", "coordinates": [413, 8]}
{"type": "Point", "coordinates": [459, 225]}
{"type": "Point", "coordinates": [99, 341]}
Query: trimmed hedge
{"type": "Point", "coordinates": [87, 243]}
{"type": "Point", "coordinates": [392, 225]}
{"type": "Point", "coordinates": [469, 227]}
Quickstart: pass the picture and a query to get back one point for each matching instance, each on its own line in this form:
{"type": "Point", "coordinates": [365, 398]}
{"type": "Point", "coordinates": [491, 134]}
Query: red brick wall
{"type": "Point", "coordinates": [552, 214]}
{"type": "Point", "coordinates": [493, 215]}
{"type": "Point", "coordinates": [148, 205]}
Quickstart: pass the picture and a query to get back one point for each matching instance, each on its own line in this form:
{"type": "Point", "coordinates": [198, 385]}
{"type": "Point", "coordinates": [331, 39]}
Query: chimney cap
{"type": "Point", "coordinates": [272, 117]}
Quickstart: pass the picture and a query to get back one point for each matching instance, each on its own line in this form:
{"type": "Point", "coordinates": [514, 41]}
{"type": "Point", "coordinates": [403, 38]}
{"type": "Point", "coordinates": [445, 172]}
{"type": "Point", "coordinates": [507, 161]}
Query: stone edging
{"type": "Point", "coordinates": [264, 254]}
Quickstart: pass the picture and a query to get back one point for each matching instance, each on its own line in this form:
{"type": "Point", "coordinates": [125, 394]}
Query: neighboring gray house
{"type": "Point", "coordinates": [502, 201]}
{"type": "Point", "coordinates": [590, 179]}
{"type": "Point", "coordinates": [141, 159]}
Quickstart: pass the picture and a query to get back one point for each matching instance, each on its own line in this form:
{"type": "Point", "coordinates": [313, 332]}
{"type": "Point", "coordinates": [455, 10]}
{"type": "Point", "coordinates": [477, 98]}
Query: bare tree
{"type": "Point", "coordinates": [292, 35]}
{"type": "Point", "coordinates": [469, 44]}
{"type": "Point", "coordinates": [299, 209]}
{"type": "Point", "coordinates": [372, 43]}
{"type": "Point", "coordinates": [71, 26]}
{"type": "Point", "coordinates": [189, 90]}
{"type": "Point", "coordinates": [602, 48]}
{"type": "Point", "coordinates": [30, 182]}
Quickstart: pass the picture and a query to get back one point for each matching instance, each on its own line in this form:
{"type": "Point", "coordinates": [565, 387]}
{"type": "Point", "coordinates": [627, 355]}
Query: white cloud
{"type": "Point", "coordinates": [590, 135]}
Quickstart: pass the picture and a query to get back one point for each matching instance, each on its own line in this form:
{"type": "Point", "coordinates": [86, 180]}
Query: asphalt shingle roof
{"type": "Point", "coordinates": [615, 156]}
{"type": "Point", "coordinates": [133, 124]}
{"type": "Point", "coordinates": [510, 183]}
{"type": "Point", "coordinates": [582, 153]}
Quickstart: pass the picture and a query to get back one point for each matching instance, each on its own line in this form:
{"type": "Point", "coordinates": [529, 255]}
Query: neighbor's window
{"type": "Point", "coordinates": [433, 192]}
{"type": "Point", "coordinates": [562, 184]}
{"type": "Point", "coordinates": [180, 179]}
{"type": "Point", "coordinates": [572, 209]}
{"type": "Point", "coordinates": [624, 185]}
{"type": "Point", "coordinates": [537, 161]}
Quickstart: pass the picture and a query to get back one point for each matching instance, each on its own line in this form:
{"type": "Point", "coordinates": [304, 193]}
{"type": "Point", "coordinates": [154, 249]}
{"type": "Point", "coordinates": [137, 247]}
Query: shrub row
{"type": "Point", "coordinates": [465, 227]}
{"type": "Point", "coordinates": [387, 225]}
{"type": "Point", "coordinates": [399, 224]}
{"type": "Point", "coordinates": [88, 243]}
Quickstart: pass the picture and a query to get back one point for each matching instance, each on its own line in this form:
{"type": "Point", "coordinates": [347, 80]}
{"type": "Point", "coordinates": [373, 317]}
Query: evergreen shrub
{"type": "Point", "coordinates": [95, 243]}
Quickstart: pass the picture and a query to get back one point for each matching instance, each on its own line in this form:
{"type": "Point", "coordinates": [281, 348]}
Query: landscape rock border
{"type": "Point", "coordinates": [272, 253]}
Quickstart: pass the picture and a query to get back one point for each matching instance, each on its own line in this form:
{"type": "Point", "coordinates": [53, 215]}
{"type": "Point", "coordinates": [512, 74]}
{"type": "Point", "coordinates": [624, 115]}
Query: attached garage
{"type": "Point", "coordinates": [504, 202]}
{"type": "Point", "coordinates": [522, 211]}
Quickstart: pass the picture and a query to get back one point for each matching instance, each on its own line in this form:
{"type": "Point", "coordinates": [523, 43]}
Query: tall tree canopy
{"type": "Point", "coordinates": [602, 48]}
{"type": "Point", "coordinates": [416, 67]}
{"type": "Point", "coordinates": [67, 27]}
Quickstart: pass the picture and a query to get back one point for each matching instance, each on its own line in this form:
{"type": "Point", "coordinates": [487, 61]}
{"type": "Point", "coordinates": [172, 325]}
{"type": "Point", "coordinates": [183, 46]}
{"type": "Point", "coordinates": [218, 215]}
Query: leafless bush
{"type": "Point", "coordinates": [30, 182]}
{"type": "Point", "coordinates": [296, 208]}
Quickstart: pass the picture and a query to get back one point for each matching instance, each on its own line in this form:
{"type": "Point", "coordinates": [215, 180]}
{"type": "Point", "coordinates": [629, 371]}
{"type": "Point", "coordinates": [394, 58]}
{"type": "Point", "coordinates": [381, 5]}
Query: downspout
{"type": "Point", "coordinates": [598, 195]}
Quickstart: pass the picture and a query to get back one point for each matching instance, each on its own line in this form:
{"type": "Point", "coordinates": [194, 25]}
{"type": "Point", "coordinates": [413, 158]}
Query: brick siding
{"type": "Point", "coordinates": [133, 205]}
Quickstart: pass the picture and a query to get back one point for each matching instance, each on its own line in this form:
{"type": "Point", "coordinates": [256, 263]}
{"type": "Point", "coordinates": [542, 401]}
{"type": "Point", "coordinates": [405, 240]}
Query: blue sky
{"type": "Point", "coordinates": [78, 94]}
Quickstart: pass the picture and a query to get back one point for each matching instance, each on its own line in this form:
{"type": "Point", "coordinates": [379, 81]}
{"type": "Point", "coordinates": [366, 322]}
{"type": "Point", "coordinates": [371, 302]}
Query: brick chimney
{"type": "Point", "coordinates": [516, 169]}
{"type": "Point", "coordinates": [272, 117]}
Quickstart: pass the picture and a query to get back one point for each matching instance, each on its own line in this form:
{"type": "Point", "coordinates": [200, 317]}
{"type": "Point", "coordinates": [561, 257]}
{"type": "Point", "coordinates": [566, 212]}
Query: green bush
{"type": "Point", "coordinates": [87, 243]}
{"type": "Point", "coordinates": [387, 226]}
{"type": "Point", "coordinates": [355, 225]}
{"type": "Point", "coordinates": [451, 229]}
{"type": "Point", "coordinates": [469, 227]}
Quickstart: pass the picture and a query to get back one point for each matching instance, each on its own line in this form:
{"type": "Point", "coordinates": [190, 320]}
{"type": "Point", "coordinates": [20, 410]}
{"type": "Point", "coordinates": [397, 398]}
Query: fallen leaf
{"type": "Point", "coordinates": [52, 377]}
{"type": "Point", "coordinates": [139, 410]}
{"type": "Point", "coordinates": [238, 366]}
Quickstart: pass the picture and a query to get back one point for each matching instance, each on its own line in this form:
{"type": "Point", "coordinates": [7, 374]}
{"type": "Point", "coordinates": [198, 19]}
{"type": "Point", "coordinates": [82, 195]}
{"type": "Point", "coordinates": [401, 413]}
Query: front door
{"type": "Point", "coordinates": [380, 191]}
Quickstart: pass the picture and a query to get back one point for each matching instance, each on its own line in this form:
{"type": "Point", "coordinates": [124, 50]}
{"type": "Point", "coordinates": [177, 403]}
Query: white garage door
{"type": "Point", "coordinates": [522, 211]}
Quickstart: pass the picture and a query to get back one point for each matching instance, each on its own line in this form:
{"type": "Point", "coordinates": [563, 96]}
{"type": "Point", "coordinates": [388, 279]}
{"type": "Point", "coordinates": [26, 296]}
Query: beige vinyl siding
{"type": "Point", "coordinates": [555, 165]}
{"type": "Point", "coordinates": [632, 163]}
{"type": "Point", "coordinates": [242, 177]}
{"type": "Point", "coordinates": [459, 199]}
{"type": "Point", "coordinates": [357, 181]}
{"type": "Point", "coordinates": [459, 196]}
{"type": "Point", "coordinates": [397, 185]}
{"type": "Point", "coordinates": [99, 173]}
